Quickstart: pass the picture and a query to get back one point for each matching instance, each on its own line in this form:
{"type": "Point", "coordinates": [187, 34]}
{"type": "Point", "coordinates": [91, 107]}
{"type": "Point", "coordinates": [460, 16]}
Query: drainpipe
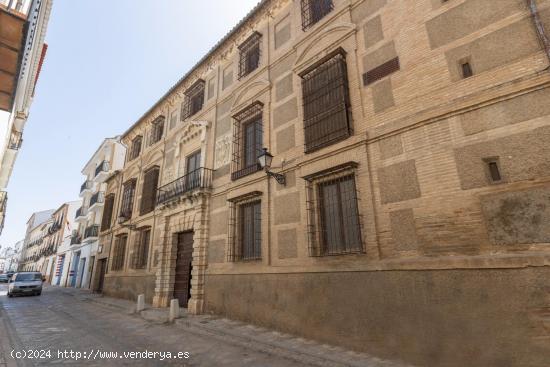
{"type": "Point", "coordinates": [541, 33]}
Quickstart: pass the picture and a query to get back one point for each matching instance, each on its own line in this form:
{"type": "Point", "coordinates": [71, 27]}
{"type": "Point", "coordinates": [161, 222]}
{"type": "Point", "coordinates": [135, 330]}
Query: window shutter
{"type": "Point", "coordinates": [107, 212]}
{"type": "Point", "coordinates": [149, 191]}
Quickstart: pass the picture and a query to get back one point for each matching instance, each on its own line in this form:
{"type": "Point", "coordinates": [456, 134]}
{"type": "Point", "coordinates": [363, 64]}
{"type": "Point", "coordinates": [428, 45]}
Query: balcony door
{"type": "Point", "coordinates": [192, 171]}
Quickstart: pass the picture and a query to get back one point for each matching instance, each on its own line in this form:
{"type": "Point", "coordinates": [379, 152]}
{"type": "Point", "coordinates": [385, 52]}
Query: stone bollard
{"type": "Point", "coordinates": [174, 310]}
{"type": "Point", "coordinates": [140, 303]}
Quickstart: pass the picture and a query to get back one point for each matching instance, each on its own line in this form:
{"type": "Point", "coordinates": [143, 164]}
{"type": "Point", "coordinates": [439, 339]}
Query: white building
{"type": "Point", "coordinates": [108, 158]}
{"type": "Point", "coordinates": [61, 261]}
{"type": "Point", "coordinates": [23, 25]}
{"type": "Point", "coordinates": [9, 257]}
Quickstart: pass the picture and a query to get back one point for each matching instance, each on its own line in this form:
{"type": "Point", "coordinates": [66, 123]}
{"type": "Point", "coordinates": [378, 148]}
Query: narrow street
{"type": "Point", "coordinates": [60, 321]}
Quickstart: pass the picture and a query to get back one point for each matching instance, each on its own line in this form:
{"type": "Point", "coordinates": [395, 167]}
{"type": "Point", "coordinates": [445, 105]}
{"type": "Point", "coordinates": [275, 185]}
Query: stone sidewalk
{"type": "Point", "coordinates": [305, 352]}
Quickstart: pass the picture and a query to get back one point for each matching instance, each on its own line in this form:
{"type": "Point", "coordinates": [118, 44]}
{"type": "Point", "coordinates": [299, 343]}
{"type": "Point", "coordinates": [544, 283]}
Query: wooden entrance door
{"type": "Point", "coordinates": [102, 268]}
{"type": "Point", "coordinates": [182, 283]}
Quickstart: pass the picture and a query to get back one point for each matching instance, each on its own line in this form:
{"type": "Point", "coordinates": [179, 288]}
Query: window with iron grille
{"type": "Point", "coordinates": [245, 228]}
{"type": "Point", "coordinates": [381, 71]}
{"type": "Point", "coordinates": [141, 249]}
{"type": "Point", "coordinates": [135, 149]}
{"type": "Point", "coordinates": [249, 54]}
{"type": "Point", "coordinates": [128, 193]}
{"type": "Point", "coordinates": [314, 10]}
{"type": "Point", "coordinates": [149, 192]}
{"type": "Point", "coordinates": [119, 253]}
{"type": "Point", "coordinates": [334, 222]}
{"type": "Point", "coordinates": [107, 216]}
{"type": "Point", "coordinates": [327, 112]}
{"type": "Point", "coordinates": [194, 99]}
{"type": "Point", "coordinates": [157, 129]}
{"type": "Point", "coordinates": [247, 141]}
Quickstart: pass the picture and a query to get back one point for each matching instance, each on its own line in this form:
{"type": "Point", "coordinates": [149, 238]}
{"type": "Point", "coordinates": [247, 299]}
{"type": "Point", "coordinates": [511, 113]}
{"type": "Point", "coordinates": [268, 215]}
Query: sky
{"type": "Point", "coordinates": [107, 63]}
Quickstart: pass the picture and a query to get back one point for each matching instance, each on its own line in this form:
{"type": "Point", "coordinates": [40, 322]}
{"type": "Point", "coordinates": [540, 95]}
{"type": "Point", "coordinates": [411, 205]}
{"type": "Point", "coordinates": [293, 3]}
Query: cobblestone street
{"type": "Point", "coordinates": [69, 320]}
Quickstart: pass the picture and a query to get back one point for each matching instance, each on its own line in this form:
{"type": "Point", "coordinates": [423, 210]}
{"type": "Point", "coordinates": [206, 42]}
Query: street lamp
{"type": "Point", "coordinates": [265, 160]}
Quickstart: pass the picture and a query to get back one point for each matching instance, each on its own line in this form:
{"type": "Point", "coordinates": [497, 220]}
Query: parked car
{"type": "Point", "coordinates": [25, 283]}
{"type": "Point", "coordinates": [10, 274]}
{"type": "Point", "coordinates": [4, 278]}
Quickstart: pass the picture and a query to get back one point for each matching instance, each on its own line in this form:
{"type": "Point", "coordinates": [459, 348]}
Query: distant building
{"type": "Point", "coordinates": [37, 227]}
{"type": "Point", "coordinates": [23, 25]}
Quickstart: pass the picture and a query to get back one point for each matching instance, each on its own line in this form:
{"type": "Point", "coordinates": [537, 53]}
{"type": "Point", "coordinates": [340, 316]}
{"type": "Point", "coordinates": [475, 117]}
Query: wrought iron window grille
{"type": "Point", "coordinates": [247, 141]}
{"type": "Point", "coordinates": [141, 249]}
{"type": "Point", "coordinates": [194, 100]}
{"type": "Point", "coordinates": [135, 149]}
{"type": "Point", "coordinates": [249, 54]}
{"type": "Point", "coordinates": [326, 102]}
{"type": "Point", "coordinates": [334, 222]}
{"type": "Point", "coordinates": [314, 10]}
{"type": "Point", "coordinates": [128, 199]}
{"type": "Point", "coordinates": [157, 130]}
{"type": "Point", "coordinates": [119, 253]}
{"type": "Point", "coordinates": [244, 231]}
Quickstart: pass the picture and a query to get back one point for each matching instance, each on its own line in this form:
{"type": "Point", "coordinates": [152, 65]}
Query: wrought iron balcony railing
{"type": "Point", "coordinates": [75, 239]}
{"type": "Point", "coordinates": [91, 231]}
{"type": "Point", "coordinates": [200, 178]}
{"type": "Point", "coordinates": [86, 185]}
{"type": "Point", "coordinates": [97, 198]}
{"type": "Point", "coordinates": [16, 139]}
{"type": "Point", "coordinates": [81, 212]}
{"type": "Point", "coordinates": [103, 167]}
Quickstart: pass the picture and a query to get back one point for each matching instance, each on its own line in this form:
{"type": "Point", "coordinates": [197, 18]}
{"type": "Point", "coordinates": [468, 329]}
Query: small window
{"type": "Point", "coordinates": [157, 130]}
{"type": "Point", "coordinates": [141, 250]}
{"type": "Point", "coordinates": [326, 103]}
{"type": "Point", "coordinates": [135, 149]}
{"type": "Point", "coordinates": [194, 100]}
{"type": "Point", "coordinates": [128, 193]}
{"type": "Point", "coordinates": [247, 141]}
{"type": "Point", "coordinates": [249, 55]}
{"type": "Point", "coordinates": [149, 192]}
{"type": "Point", "coordinates": [466, 69]}
{"type": "Point", "coordinates": [493, 170]}
{"type": "Point", "coordinates": [119, 253]}
{"type": "Point", "coordinates": [314, 10]}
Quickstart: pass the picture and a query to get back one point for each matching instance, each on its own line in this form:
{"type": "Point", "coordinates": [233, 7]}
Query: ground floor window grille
{"type": "Point", "coordinates": [141, 250]}
{"type": "Point", "coordinates": [119, 253]}
{"type": "Point", "coordinates": [245, 229]}
{"type": "Point", "coordinates": [334, 220]}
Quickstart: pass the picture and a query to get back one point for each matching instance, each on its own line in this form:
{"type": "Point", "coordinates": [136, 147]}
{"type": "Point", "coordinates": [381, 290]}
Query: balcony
{"type": "Point", "coordinates": [97, 200]}
{"type": "Point", "coordinates": [91, 232]}
{"type": "Point", "coordinates": [102, 171]}
{"type": "Point", "coordinates": [86, 186]}
{"type": "Point", "coordinates": [81, 213]}
{"type": "Point", "coordinates": [75, 238]}
{"type": "Point", "coordinates": [198, 179]}
{"type": "Point", "coordinates": [16, 139]}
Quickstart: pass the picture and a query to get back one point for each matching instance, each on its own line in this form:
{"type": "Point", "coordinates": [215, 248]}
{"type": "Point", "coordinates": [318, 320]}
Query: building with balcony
{"type": "Point", "coordinates": [400, 206]}
{"type": "Point", "coordinates": [162, 190]}
{"type": "Point", "coordinates": [23, 25]}
{"type": "Point", "coordinates": [31, 258]}
{"type": "Point", "coordinates": [108, 158]}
